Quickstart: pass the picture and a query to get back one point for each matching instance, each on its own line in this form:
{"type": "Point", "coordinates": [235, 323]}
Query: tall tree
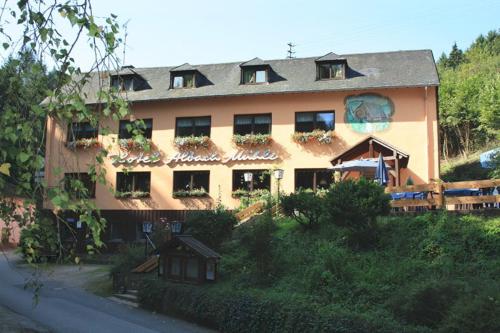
{"type": "Point", "coordinates": [469, 96]}
{"type": "Point", "coordinates": [31, 30]}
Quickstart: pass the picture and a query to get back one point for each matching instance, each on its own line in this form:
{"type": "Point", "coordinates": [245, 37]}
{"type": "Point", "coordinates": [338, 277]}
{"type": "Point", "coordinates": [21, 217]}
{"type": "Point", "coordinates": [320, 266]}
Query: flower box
{"type": "Point", "coordinates": [319, 136]}
{"type": "Point", "coordinates": [131, 195]}
{"type": "Point", "coordinates": [84, 143]}
{"type": "Point", "coordinates": [192, 141]}
{"type": "Point", "coordinates": [134, 144]}
{"type": "Point", "coordinates": [252, 139]}
{"type": "Point", "coordinates": [239, 193]}
{"type": "Point", "coordinates": [201, 192]}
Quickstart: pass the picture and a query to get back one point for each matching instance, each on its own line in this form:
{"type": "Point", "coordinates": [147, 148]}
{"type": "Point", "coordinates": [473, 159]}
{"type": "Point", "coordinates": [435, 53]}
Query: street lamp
{"type": "Point", "coordinates": [278, 174]}
{"type": "Point", "coordinates": [147, 227]}
{"type": "Point", "coordinates": [248, 177]}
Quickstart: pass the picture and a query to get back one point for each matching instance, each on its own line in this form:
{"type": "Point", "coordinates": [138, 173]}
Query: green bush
{"type": "Point", "coordinates": [232, 311]}
{"type": "Point", "coordinates": [129, 258]}
{"type": "Point", "coordinates": [210, 227]}
{"type": "Point", "coordinates": [38, 240]}
{"type": "Point", "coordinates": [257, 238]}
{"type": "Point", "coordinates": [306, 208]}
{"type": "Point", "coordinates": [355, 205]}
{"type": "Point", "coordinates": [461, 239]}
{"type": "Point", "coordinates": [479, 312]}
{"type": "Point", "coordinates": [426, 303]}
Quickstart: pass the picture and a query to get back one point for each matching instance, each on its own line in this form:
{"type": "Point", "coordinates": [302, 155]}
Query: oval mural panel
{"type": "Point", "coordinates": [368, 113]}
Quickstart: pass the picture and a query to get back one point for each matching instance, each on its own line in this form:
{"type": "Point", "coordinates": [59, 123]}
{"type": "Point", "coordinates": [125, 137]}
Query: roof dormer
{"type": "Point", "coordinates": [184, 77]}
{"type": "Point", "coordinates": [127, 79]}
{"type": "Point", "coordinates": [331, 66]}
{"type": "Point", "coordinates": [255, 71]}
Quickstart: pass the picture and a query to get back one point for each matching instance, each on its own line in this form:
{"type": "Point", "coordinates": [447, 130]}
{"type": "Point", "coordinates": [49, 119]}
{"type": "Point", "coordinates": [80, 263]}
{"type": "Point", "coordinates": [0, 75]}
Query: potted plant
{"type": "Point", "coordinates": [196, 192]}
{"type": "Point", "coordinates": [252, 139]}
{"type": "Point", "coordinates": [84, 143]}
{"type": "Point", "coordinates": [192, 141]}
{"type": "Point", "coordinates": [135, 143]}
{"type": "Point", "coordinates": [319, 136]}
{"type": "Point", "coordinates": [131, 195]}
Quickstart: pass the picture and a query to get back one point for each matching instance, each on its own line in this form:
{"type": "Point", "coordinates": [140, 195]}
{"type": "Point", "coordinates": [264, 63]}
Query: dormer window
{"type": "Point", "coordinates": [254, 75]}
{"type": "Point", "coordinates": [331, 66]}
{"type": "Point", "coordinates": [331, 70]}
{"type": "Point", "coordinates": [185, 76]}
{"type": "Point", "coordinates": [185, 80]}
{"type": "Point", "coordinates": [255, 71]}
{"type": "Point", "coordinates": [123, 83]}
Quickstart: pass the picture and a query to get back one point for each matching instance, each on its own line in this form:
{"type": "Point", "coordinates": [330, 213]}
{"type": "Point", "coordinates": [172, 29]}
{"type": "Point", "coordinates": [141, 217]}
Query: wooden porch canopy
{"type": "Point", "coordinates": [371, 147]}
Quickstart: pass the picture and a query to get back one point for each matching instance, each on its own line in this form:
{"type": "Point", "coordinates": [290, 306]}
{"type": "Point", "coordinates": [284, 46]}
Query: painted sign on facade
{"type": "Point", "coordinates": [140, 158]}
{"type": "Point", "coordinates": [193, 157]}
{"type": "Point", "coordinates": [368, 113]}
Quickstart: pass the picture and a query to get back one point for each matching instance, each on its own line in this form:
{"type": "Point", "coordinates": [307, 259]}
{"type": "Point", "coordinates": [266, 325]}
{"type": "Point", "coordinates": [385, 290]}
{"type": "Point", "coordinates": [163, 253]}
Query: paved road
{"type": "Point", "coordinates": [63, 308]}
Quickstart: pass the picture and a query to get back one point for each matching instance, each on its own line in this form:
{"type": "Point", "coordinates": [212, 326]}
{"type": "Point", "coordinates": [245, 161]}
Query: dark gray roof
{"type": "Point", "coordinates": [365, 71]}
{"type": "Point", "coordinates": [330, 57]}
{"type": "Point", "coordinates": [254, 62]}
{"type": "Point", "coordinates": [198, 246]}
{"type": "Point", "coordinates": [183, 67]}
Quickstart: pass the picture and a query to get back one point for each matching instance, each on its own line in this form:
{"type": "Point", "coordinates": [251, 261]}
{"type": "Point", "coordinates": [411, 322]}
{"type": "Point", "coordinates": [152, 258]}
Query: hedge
{"type": "Point", "coordinates": [241, 312]}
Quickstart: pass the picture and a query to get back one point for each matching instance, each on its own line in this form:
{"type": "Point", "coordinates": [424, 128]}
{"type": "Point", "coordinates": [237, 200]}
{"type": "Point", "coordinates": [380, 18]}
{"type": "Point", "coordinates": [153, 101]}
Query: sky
{"type": "Point", "coordinates": [170, 33]}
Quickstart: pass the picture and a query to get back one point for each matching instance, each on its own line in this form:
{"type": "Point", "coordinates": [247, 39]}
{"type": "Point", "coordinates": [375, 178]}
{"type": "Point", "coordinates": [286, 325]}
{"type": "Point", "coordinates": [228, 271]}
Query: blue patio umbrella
{"type": "Point", "coordinates": [381, 174]}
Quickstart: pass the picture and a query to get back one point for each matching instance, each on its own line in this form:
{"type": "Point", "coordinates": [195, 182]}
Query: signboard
{"type": "Point", "coordinates": [194, 157]}
{"type": "Point", "coordinates": [140, 158]}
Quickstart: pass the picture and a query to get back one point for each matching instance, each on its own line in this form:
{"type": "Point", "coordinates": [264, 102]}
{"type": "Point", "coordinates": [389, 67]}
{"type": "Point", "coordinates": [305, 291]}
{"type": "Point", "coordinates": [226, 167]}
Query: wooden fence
{"type": "Point", "coordinates": [437, 195]}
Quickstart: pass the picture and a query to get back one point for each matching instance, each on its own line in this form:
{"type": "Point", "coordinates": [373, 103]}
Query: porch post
{"type": "Point", "coordinates": [397, 171]}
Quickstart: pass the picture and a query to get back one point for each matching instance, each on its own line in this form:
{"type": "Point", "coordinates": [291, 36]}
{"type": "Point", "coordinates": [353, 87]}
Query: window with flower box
{"type": "Point", "coordinates": [313, 179]}
{"type": "Point", "coordinates": [192, 126]}
{"type": "Point", "coordinates": [252, 124]}
{"type": "Point", "coordinates": [191, 183]}
{"type": "Point", "coordinates": [128, 128]}
{"type": "Point", "coordinates": [81, 130]}
{"type": "Point", "coordinates": [79, 185]}
{"type": "Point", "coordinates": [133, 184]}
{"type": "Point", "coordinates": [317, 120]}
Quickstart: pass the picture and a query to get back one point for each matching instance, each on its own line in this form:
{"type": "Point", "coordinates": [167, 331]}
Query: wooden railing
{"type": "Point", "coordinates": [250, 211]}
{"type": "Point", "coordinates": [435, 196]}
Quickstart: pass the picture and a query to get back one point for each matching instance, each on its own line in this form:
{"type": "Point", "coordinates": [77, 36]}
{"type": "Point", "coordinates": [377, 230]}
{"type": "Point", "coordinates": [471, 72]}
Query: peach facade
{"type": "Point", "coordinates": [413, 129]}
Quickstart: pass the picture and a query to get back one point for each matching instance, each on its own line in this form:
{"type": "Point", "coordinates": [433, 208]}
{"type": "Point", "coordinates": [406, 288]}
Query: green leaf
{"type": "Point", "coordinates": [23, 157]}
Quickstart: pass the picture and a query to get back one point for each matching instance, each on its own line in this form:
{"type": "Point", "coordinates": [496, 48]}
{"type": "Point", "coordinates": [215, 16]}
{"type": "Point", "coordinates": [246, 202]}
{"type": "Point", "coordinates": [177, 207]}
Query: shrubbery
{"type": "Point", "coordinates": [352, 204]}
{"type": "Point", "coordinates": [355, 205]}
{"type": "Point", "coordinates": [305, 207]}
{"type": "Point", "coordinates": [244, 312]}
{"type": "Point", "coordinates": [257, 237]}
{"type": "Point", "coordinates": [210, 227]}
{"type": "Point", "coordinates": [427, 303]}
{"type": "Point", "coordinates": [129, 258]}
{"type": "Point", "coordinates": [434, 272]}
{"type": "Point", "coordinates": [38, 241]}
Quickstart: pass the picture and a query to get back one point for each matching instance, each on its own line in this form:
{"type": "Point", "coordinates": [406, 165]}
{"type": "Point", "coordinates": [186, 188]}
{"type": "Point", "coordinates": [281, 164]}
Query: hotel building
{"type": "Point", "coordinates": [208, 125]}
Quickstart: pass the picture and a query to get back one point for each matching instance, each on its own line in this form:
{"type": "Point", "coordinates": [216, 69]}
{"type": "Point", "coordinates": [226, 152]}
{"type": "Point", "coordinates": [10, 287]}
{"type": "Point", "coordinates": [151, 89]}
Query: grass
{"type": "Point", "coordinates": [466, 168]}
